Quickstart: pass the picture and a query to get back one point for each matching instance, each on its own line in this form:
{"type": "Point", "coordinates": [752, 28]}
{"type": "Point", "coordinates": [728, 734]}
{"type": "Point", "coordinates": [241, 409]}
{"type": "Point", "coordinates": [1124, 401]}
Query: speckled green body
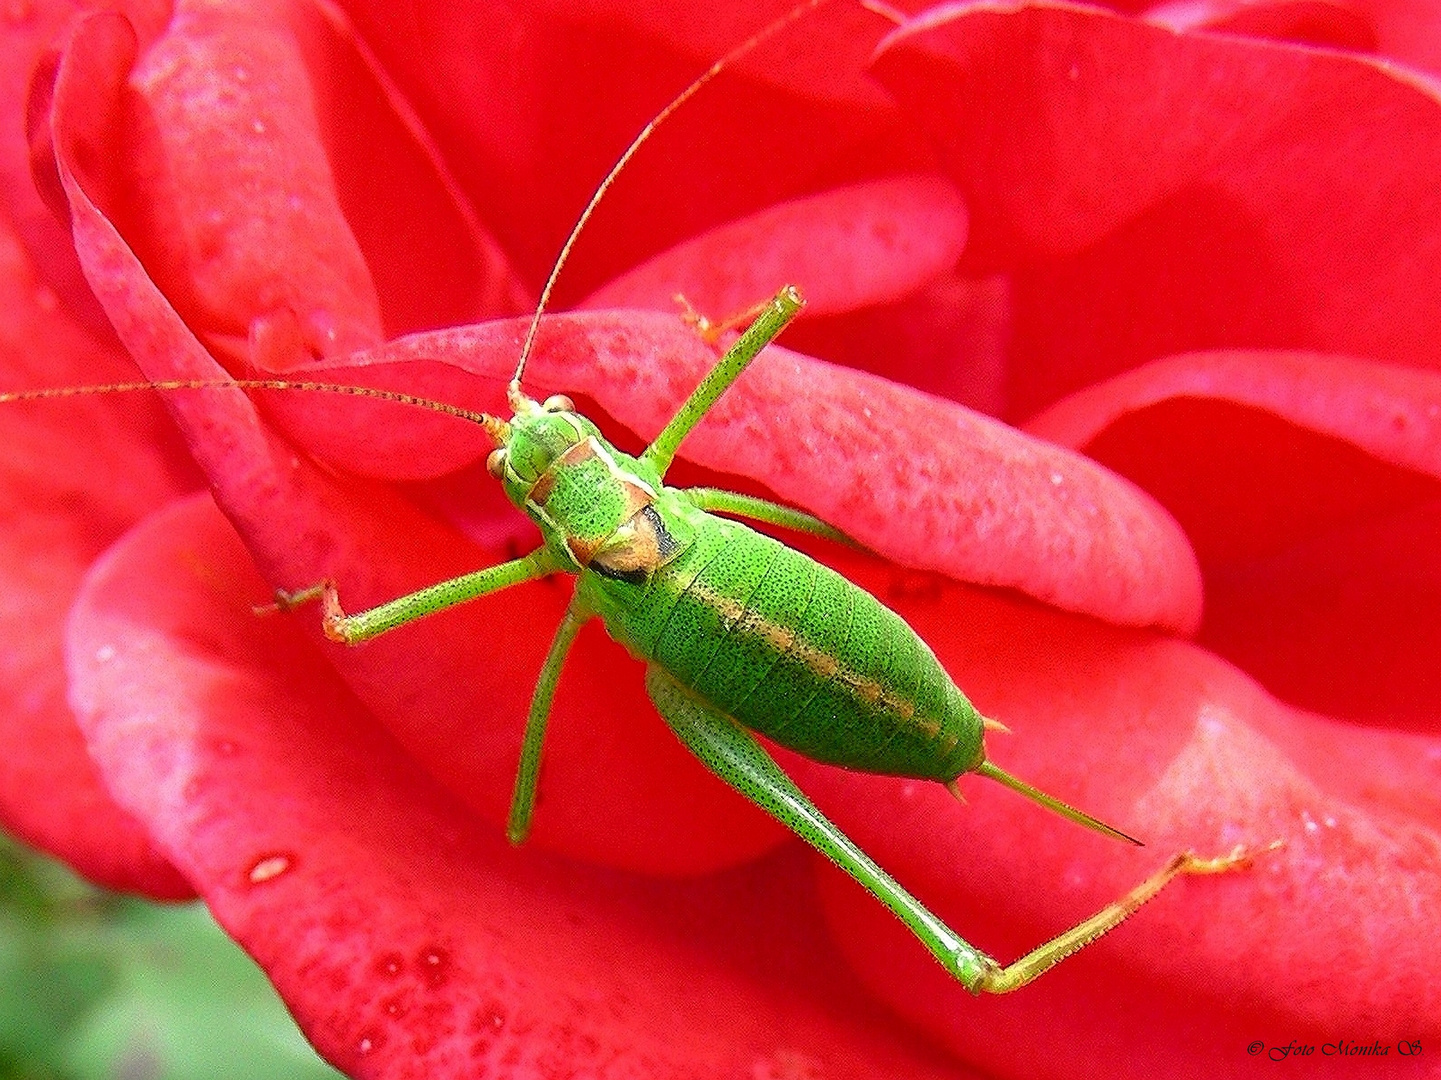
{"type": "Point", "coordinates": [759, 631]}
{"type": "Point", "coordinates": [789, 648]}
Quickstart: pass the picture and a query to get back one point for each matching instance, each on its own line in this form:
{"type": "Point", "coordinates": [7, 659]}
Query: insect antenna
{"type": "Point", "coordinates": [513, 392]}
{"type": "Point", "coordinates": [493, 425]}
{"type": "Point", "coordinates": [496, 427]}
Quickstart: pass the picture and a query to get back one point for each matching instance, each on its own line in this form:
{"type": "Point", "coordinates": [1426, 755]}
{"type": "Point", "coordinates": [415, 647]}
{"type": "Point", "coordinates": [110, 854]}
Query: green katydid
{"type": "Point", "coordinates": [739, 632]}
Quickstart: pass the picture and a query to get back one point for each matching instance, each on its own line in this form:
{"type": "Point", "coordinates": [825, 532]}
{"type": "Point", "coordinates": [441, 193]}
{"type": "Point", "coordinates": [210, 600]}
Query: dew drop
{"type": "Point", "coordinates": [269, 868]}
{"type": "Point", "coordinates": [365, 1046]}
{"type": "Point", "coordinates": [1057, 479]}
{"type": "Point", "coordinates": [786, 1064]}
{"type": "Point", "coordinates": [258, 126]}
{"type": "Point", "coordinates": [105, 654]}
{"type": "Point", "coordinates": [434, 966]}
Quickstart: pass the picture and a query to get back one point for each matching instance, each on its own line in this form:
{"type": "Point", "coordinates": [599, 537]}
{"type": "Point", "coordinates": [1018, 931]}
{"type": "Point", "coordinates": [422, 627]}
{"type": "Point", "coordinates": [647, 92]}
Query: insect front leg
{"type": "Point", "coordinates": [771, 321]}
{"type": "Point", "coordinates": [353, 629]}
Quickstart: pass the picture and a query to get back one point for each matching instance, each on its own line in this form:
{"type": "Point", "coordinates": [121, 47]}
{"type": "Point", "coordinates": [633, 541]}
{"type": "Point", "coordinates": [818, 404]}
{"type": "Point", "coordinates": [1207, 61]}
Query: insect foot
{"type": "Point", "coordinates": [333, 620]}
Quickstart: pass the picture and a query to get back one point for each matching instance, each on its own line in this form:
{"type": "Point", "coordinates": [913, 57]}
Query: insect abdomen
{"type": "Point", "coordinates": [796, 652]}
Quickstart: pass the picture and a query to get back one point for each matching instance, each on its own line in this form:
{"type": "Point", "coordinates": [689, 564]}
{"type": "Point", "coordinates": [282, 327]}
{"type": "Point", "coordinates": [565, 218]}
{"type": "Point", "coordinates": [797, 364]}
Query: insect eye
{"type": "Point", "coordinates": [495, 463]}
{"type": "Point", "coordinates": [559, 403]}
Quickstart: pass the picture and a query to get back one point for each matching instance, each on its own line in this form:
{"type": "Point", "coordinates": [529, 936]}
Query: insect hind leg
{"type": "Point", "coordinates": [733, 754]}
{"type": "Point", "coordinates": [1013, 976]}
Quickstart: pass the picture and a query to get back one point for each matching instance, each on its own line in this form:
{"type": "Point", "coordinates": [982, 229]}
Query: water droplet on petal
{"type": "Point", "coordinates": [269, 868]}
{"type": "Point", "coordinates": [434, 966]}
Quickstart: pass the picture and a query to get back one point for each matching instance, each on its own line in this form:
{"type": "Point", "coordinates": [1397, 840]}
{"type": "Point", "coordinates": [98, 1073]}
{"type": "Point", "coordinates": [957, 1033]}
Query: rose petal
{"type": "Point", "coordinates": [1327, 936]}
{"type": "Point", "coordinates": [403, 934]}
{"type": "Point", "coordinates": [1313, 22]}
{"type": "Point", "coordinates": [27, 68]}
{"type": "Point", "coordinates": [1391, 414]}
{"type": "Point", "coordinates": [795, 117]}
{"type": "Point", "coordinates": [432, 260]}
{"type": "Point", "coordinates": [950, 337]}
{"type": "Point", "coordinates": [60, 509]}
{"type": "Point", "coordinates": [1407, 30]}
{"type": "Point", "coordinates": [1146, 186]}
{"type": "Point", "coordinates": [1324, 580]}
{"type": "Point", "coordinates": [851, 247]}
{"type": "Point", "coordinates": [239, 216]}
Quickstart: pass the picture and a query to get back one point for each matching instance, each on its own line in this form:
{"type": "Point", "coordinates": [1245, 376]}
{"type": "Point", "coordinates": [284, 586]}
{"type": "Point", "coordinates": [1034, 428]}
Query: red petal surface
{"type": "Point", "coordinates": [269, 150]}
{"type": "Point", "coordinates": [853, 247]}
{"type": "Point", "coordinates": [532, 127]}
{"type": "Point", "coordinates": [1164, 192]}
{"type": "Point", "coordinates": [1311, 487]}
{"type": "Point", "coordinates": [1409, 30]}
{"type": "Point", "coordinates": [408, 940]}
{"type": "Point", "coordinates": [60, 509]}
{"type": "Point", "coordinates": [239, 216]}
{"type": "Point", "coordinates": [1329, 23]}
{"type": "Point", "coordinates": [26, 69]}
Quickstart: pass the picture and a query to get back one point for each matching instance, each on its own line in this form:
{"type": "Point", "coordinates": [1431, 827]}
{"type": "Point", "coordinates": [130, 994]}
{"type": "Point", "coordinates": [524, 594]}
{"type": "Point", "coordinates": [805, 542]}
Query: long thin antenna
{"type": "Point", "coordinates": [756, 39]}
{"type": "Point", "coordinates": [492, 424]}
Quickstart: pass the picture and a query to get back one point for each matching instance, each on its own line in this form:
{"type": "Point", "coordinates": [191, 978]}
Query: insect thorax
{"type": "Point", "coordinates": [595, 506]}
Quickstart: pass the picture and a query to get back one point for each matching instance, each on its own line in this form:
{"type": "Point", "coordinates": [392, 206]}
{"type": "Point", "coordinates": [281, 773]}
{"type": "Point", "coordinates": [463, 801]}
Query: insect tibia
{"type": "Point", "coordinates": [1050, 802]}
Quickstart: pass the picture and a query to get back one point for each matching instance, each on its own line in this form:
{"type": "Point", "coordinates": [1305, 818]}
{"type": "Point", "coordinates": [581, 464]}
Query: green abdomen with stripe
{"type": "Point", "coordinates": [796, 652]}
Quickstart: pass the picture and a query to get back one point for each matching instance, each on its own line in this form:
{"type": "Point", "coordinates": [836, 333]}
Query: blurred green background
{"type": "Point", "coordinates": [96, 986]}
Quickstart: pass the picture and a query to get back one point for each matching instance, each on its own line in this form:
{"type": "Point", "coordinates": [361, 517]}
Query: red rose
{"type": "Point", "coordinates": [1205, 261]}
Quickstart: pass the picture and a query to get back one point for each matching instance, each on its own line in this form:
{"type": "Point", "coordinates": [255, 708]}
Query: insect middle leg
{"type": "Point", "coordinates": [522, 801]}
{"type": "Point", "coordinates": [748, 506]}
